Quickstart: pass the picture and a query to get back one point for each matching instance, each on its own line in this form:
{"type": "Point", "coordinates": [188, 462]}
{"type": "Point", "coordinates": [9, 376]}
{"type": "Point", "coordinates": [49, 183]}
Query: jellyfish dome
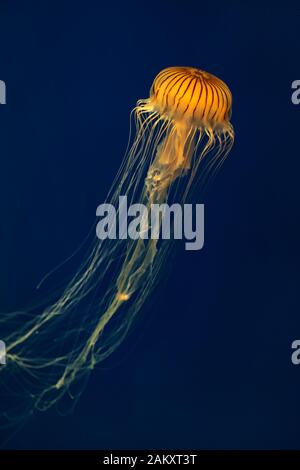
{"type": "Point", "coordinates": [192, 95]}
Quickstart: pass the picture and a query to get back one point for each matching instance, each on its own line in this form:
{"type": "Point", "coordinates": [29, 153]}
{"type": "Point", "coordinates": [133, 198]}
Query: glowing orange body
{"type": "Point", "coordinates": [182, 130]}
{"type": "Point", "coordinates": [191, 95]}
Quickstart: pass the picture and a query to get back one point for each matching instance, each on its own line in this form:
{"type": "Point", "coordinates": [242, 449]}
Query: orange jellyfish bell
{"type": "Point", "coordinates": [192, 104]}
{"type": "Point", "coordinates": [193, 96]}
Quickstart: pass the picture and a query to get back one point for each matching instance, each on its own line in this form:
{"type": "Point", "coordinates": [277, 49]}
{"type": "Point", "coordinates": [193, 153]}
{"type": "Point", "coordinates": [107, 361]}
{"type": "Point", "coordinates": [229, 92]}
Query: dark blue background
{"type": "Point", "coordinates": [209, 365]}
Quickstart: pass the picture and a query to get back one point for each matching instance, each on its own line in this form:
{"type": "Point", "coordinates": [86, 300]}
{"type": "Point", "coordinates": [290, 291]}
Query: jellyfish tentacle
{"type": "Point", "coordinates": [169, 163]}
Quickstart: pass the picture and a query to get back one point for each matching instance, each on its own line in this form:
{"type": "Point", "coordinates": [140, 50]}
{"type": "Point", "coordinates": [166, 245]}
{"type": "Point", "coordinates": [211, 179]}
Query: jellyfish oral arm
{"type": "Point", "coordinates": [171, 161]}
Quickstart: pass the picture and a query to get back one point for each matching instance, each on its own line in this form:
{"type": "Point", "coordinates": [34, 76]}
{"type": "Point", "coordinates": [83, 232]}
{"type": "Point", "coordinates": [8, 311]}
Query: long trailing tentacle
{"type": "Point", "coordinates": [98, 306]}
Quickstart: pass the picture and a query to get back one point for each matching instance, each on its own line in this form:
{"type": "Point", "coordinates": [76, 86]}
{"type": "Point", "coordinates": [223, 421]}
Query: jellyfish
{"type": "Point", "coordinates": [179, 138]}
